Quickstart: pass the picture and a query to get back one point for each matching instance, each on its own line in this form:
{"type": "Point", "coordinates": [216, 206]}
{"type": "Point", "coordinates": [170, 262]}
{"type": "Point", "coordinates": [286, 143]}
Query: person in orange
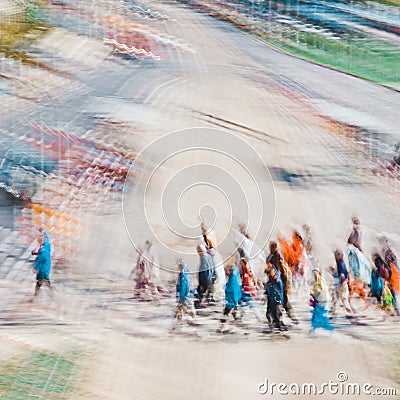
{"type": "Point", "coordinates": [356, 286]}
{"type": "Point", "coordinates": [393, 276]}
{"type": "Point", "coordinates": [293, 253]}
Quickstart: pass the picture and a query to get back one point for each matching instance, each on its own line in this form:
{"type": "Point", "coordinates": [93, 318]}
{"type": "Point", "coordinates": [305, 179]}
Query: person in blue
{"type": "Point", "coordinates": [42, 262]}
{"type": "Point", "coordinates": [319, 296]}
{"type": "Point", "coordinates": [341, 276]}
{"type": "Point", "coordinates": [184, 294]}
{"type": "Point", "coordinates": [233, 293]}
{"type": "Point", "coordinates": [377, 283]}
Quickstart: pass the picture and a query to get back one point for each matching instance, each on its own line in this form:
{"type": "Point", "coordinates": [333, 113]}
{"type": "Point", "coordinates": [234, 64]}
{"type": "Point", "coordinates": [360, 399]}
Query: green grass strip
{"type": "Point", "coordinates": [372, 60]}
{"type": "Point", "coordinates": [41, 376]}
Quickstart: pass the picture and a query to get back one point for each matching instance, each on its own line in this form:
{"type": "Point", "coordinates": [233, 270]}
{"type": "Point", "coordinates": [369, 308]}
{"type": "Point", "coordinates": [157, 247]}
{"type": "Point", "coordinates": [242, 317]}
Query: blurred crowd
{"type": "Point", "coordinates": [289, 268]}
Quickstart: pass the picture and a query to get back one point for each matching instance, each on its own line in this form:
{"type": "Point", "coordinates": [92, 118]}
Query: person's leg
{"type": "Point", "coordinates": [351, 294]}
{"type": "Point", "coordinates": [154, 290]}
{"type": "Point", "coordinates": [334, 298]}
{"type": "Point", "coordinates": [286, 302]}
{"type": "Point", "coordinates": [37, 287]}
{"type": "Point", "coordinates": [269, 313]}
{"type": "Point", "coordinates": [50, 286]}
{"type": "Point", "coordinates": [200, 291]}
{"type": "Point", "coordinates": [243, 304]}
{"type": "Point", "coordinates": [179, 311]}
{"type": "Point", "coordinates": [210, 293]}
{"type": "Point", "coordinates": [253, 308]}
{"type": "Point", "coordinates": [275, 315]}
{"type": "Point", "coordinates": [344, 298]}
{"type": "Point", "coordinates": [279, 313]}
{"type": "Point", "coordinates": [190, 308]}
{"type": "Point", "coordinates": [324, 321]}
{"type": "Point", "coordinates": [288, 308]}
{"type": "Point", "coordinates": [363, 296]}
{"type": "Point", "coordinates": [225, 314]}
{"type": "Point", "coordinates": [234, 314]}
{"type": "Point", "coordinates": [395, 300]}
{"type": "Point", "coordinates": [328, 325]}
{"type": "Point", "coordinates": [138, 290]}
{"type": "Point", "coordinates": [184, 308]}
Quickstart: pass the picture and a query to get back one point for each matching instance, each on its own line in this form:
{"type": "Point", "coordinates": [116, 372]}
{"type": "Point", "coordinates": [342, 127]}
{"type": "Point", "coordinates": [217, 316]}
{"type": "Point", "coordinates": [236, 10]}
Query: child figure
{"type": "Point", "coordinates": [233, 293]}
{"type": "Point", "coordinates": [319, 296]}
{"type": "Point", "coordinates": [184, 294]}
{"type": "Point", "coordinates": [387, 298]}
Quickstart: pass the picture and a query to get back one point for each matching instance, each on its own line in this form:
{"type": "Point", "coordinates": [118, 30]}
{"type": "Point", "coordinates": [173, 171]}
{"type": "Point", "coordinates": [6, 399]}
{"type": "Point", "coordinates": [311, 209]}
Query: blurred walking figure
{"type": "Point", "coordinates": [319, 297]}
{"type": "Point", "coordinates": [243, 230]}
{"type": "Point", "coordinates": [293, 252]}
{"type": "Point", "coordinates": [334, 288]}
{"type": "Point", "coordinates": [356, 234]}
{"type": "Point", "coordinates": [206, 273]}
{"type": "Point", "coordinates": [360, 274]}
{"type": "Point", "coordinates": [377, 275]}
{"type": "Point", "coordinates": [340, 290]}
{"type": "Point", "coordinates": [309, 249]}
{"type": "Point", "coordinates": [248, 249]}
{"type": "Point", "coordinates": [233, 293]}
{"type": "Point", "coordinates": [392, 266]}
{"type": "Point", "coordinates": [42, 262]}
{"type": "Point", "coordinates": [380, 276]}
{"type": "Point", "coordinates": [387, 298]}
{"type": "Point", "coordinates": [208, 237]}
{"type": "Point", "coordinates": [146, 274]}
{"type": "Point", "coordinates": [275, 259]}
{"type": "Point", "coordinates": [296, 258]}
{"type": "Point", "coordinates": [249, 290]}
{"type": "Point", "coordinates": [275, 293]}
{"type": "Point", "coordinates": [216, 290]}
{"type": "Point", "coordinates": [308, 243]}
{"type": "Point", "coordinates": [360, 268]}
{"type": "Point", "coordinates": [184, 295]}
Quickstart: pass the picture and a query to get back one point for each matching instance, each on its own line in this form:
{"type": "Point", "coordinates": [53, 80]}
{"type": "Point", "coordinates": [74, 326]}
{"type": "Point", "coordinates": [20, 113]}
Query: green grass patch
{"type": "Point", "coordinates": [376, 61]}
{"type": "Point", "coordinates": [41, 375]}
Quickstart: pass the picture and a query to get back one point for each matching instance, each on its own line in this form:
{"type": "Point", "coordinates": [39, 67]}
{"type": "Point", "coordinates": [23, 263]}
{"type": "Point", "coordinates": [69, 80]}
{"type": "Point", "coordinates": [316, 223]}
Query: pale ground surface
{"type": "Point", "coordinates": [126, 347]}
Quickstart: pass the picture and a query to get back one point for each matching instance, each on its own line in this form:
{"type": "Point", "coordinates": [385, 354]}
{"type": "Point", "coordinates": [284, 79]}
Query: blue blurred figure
{"type": "Point", "coordinates": [42, 262]}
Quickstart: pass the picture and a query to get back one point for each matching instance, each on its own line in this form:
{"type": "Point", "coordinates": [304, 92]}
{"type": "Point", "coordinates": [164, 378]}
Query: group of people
{"type": "Point", "coordinates": [379, 279]}
{"type": "Point", "coordinates": [292, 264]}
{"type": "Point", "coordinates": [246, 277]}
{"type": "Point", "coordinates": [242, 285]}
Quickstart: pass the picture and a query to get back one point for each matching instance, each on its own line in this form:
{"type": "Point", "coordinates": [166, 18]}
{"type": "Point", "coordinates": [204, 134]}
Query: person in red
{"type": "Point", "coordinates": [249, 290]}
{"type": "Point", "coordinates": [248, 283]}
